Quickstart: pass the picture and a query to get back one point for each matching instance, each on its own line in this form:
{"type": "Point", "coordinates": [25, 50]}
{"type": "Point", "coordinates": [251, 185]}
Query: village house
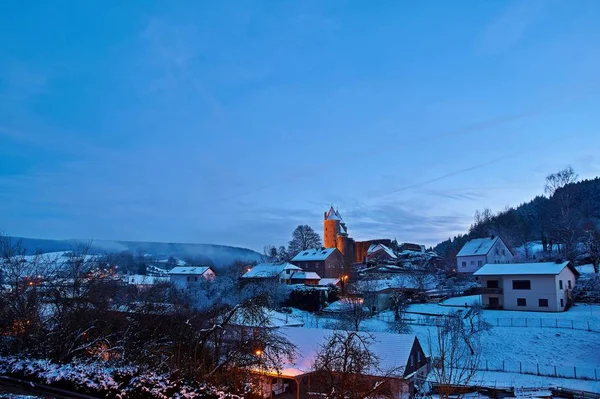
{"type": "Point", "coordinates": [191, 277]}
{"type": "Point", "coordinates": [279, 272]}
{"type": "Point", "coordinates": [143, 282]}
{"type": "Point", "coordinates": [542, 287]}
{"type": "Point", "coordinates": [477, 252]}
{"type": "Point", "coordinates": [380, 252]}
{"type": "Point", "coordinates": [401, 359]}
{"type": "Point", "coordinates": [326, 262]}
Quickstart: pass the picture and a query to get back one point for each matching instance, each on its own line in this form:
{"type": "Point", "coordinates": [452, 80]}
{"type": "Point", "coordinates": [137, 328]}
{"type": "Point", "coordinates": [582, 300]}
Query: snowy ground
{"type": "Point", "coordinates": [514, 348]}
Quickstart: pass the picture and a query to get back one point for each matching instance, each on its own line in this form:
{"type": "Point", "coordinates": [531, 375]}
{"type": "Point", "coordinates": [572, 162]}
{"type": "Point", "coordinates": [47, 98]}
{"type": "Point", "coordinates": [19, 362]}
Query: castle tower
{"type": "Point", "coordinates": [331, 228]}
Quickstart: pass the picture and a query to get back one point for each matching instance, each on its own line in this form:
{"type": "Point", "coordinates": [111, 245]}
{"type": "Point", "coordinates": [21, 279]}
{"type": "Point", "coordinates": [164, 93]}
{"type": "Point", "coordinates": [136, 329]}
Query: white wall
{"type": "Point", "coordinates": [474, 263]}
{"type": "Point", "coordinates": [503, 255]}
{"type": "Point", "coordinates": [185, 281]}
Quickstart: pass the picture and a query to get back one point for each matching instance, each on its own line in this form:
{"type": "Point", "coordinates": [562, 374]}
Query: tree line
{"type": "Point", "coordinates": [565, 220]}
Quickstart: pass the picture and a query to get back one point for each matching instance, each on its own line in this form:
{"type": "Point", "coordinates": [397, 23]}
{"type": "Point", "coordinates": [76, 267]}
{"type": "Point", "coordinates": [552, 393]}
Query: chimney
{"type": "Point", "coordinates": [492, 236]}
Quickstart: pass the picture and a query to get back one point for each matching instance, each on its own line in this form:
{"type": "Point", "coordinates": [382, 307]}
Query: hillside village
{"type": "Point", "coordinates": [495, 321]}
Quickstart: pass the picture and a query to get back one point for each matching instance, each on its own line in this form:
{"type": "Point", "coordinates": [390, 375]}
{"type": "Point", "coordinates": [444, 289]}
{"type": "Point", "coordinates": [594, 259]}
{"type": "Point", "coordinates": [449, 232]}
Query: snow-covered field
{"type": "Point", "coordinates": [514, 348]}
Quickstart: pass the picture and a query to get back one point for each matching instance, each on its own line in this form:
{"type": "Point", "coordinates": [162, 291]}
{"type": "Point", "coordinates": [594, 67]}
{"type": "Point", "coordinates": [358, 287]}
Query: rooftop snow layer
{"type": "Point", "coordinates": [313, 254]}
{"type": "Point", "coordinates": [189, 270]}
{"type": "Point", "coordinates": [478, 246]}
{"type": "Point", "coordinates": [267, 270]}
{"type": "Point", "coordinates": [392, 350]}
{"type": "Point", "coordinates": [496, 269]}
{"type": "Point", "coordinates": [306, 276]}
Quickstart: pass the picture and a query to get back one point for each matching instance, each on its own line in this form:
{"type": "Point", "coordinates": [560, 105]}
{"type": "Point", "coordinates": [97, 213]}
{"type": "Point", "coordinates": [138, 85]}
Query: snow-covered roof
{"type": "Point", "coordinates": [313, 254]}
{"type": "Point", "coordinates": [189, 270]}
{"type": "Point", "coordinates": [329, 281]}
{"type": "Point", "coordinates": [478, 246]}
{"type": "Point", "coordinates": [380, 247]}
{"type": "Point", "coordinates": [306, 276]}
{"type": "Point", "coordinates": [265, 318]}
{"type": "Point", "coordinates": [332, 214]}
{"type": "Point", "coordinates": [140, 279]}
{"type": "Point", "coordinates": [268, 270]}
{"type": "Point", "coordinates": [392, 350]}
{"type": "Point", "coordinates": [399, 281]}
{"type": "Point", "coordinates": [511, 269]}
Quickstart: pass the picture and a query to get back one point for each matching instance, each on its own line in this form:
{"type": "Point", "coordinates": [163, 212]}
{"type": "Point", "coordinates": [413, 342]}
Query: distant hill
{"type": "Point", "coordinates": [219, 255]}
{"type": "Point", "coordinates": [567, 217]}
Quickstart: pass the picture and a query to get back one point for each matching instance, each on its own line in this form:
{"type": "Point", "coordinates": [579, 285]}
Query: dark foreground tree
{"type": "Point", "coordinates": [304, 237]}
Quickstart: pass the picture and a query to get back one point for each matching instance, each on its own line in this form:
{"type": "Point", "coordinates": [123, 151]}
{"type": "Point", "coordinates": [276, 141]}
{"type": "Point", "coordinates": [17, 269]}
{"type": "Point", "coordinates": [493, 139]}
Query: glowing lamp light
{"type": "Point", "coordinates": [258, 352]}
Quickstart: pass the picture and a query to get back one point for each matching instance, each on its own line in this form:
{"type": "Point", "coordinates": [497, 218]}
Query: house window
{"type": "Point", "coordinates": [543, 303]}
{"type": "Point", "coordinates": [282, 281]}
{"type": "Point", "coordinates": [560, 285]}
{"type": "Point", "coordinates": [464, 264]}
{"type": "Point", "coordinates": [418, 357]}
{"type": "Point", "coordinates": [479, 263]}
{"type": "Point", "coordinates": [562, 303]}
{"type": "Point", "coordinates": [521, 284]}
{"type": "Point", "coordinates": [472, 263]}
{"type": "Point", "coordinates": [492, 284]}
{"type": "Point", "coordinates": [504, 252]}
{"type": "Point", "coordinates": [188, 278]}
{"type": "Point", "coordinates": [288, 271]}
{"type": "Point", "coordinates": [569, 283]}
{"type": "Point", "coordinates": [412, 361]}
{"type": "Point", "coordinates": [494, 301]}
{"type": "Point", "coordinates": [521, 302]}
{"type": "Point", "coordinates": [196, 279]}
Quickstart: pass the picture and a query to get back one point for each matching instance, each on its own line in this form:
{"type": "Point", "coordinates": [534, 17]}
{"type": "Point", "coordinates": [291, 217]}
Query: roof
{"type": "Point", "coordinates": [313, 254]}
{"type": "Point", "coordinates": [332, 214]}
{"type": "Point", "coordinates": [478, 246]}
{"type": "Point", "coordinates": [379, 247]}
{"type": "Point", "coordinates": [264, 318]}
{"type": "Point", "coordinates": [189, 270]}
{"type": "Point", "coordinates": [512, 269]}
{"type": "Point", "coordinates": [268, 270]}
{"type": "Point", "coordinates": [392, 350]}
{"type": "Point", "coordinates": [306, 276]}
{"type": "Point", "coordinates": [329, 281]}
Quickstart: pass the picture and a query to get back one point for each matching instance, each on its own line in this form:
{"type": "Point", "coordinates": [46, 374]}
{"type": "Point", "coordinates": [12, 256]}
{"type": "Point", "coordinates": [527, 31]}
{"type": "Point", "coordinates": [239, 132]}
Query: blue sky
{"type": "Point", "coordinates": [233, 122]}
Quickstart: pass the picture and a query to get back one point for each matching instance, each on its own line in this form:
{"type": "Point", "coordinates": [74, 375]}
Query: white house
{"type": "Point", "coordinates": [480, 251]}
{"type": "Point", "coordinates": [189, 277]}
{"type": "Point", "coordinates": [542, 287]}
{"type": "Point", "coordinates": [282, 272]}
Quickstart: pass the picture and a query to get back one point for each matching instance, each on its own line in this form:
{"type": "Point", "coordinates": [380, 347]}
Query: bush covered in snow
{"type": "Point", "coordinates": [107, 381]}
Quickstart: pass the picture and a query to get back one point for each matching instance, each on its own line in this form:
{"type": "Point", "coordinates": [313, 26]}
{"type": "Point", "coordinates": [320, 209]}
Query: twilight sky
{"type": "Point", "coordinates": [231, 122]}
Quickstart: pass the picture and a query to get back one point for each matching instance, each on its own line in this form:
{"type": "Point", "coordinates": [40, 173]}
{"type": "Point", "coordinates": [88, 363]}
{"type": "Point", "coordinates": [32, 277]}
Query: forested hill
{"type": "Point", "coordinates": [568, 215]}
{"type": "Point", "coordinates": [217, 255]}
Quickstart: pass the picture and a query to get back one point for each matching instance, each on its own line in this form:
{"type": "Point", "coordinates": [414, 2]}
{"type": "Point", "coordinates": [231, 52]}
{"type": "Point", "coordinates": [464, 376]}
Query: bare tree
{"type": "Point", "coordinates": [400, 303]}
{"type": "Point", "coordinates": [343, 364]}
{"type": "Point", "coordinates": [456, 362]}
{"type": "Point", "coordinates": [591, 244]}
{"type": "Point", "coordinates": [563, 215]}
{"type": "Point", "coordinates": [303, 238]}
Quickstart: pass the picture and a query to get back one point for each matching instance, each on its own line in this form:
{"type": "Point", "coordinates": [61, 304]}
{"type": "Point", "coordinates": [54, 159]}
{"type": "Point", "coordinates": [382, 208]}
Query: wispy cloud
{"type": "Point", "coordinates": [507, 29]}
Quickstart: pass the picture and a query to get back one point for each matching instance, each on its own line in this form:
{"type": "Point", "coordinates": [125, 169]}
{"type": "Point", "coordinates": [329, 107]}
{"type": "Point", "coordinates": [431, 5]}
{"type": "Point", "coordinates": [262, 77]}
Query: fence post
{"type": "Point", "coordinates": [503, 365]}
{"type": "Point", "coordinates": [486, 365]}
{"type": "Point", "coordinates": [556, 320]}
{"type": "Point", "coordinates": [555, 370]}
{"type": "Point", "coordinates": [520, 367]}
{"type": "Point", "coordinates": [589, 326]}
{"type": "Point", "coordinates": [526, 322]}
{"type": "Point", "coordinates": [571, 324]}
{"type": "Point", "coordinates": [595, 374]}
{"type": "Point", "coordinates": [538, 368]}
{"type": "Point", "coordinates": [575, 371]}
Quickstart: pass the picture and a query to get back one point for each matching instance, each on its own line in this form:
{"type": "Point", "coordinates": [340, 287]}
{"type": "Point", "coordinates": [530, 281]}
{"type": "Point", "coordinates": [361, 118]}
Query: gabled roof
{"type": "Point", "coordinates": [478, 246]}
{"type": "Point", "coordinates": [332, 214]}
{"type": "Point", "coordinates": [512, 269]}
{"type": "Point", "coordinates": [379, 247]}
{"type": "Point", "coordinates": [268, 270]}
{"type": "Point", "coordinates": [306, 276]}
{"type": "Point", "coordinates": [392, 350]}
{"type": "Point", "coordinates": [328, 281]}
{"type": "Point", "coordinates": [189, 270]}
{"type": "Point", "coordinates": [313, 254]}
